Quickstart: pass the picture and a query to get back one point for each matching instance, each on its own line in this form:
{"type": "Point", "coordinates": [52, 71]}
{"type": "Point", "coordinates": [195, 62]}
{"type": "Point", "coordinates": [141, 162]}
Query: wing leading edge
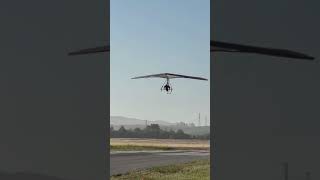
{"type": "Point", "coordinates": [169, 76]}
{"type": "Point", "coordinates": [218, 46]}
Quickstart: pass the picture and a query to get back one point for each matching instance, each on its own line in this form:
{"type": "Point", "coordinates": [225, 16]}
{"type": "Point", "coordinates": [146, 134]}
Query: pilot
{"type": "Point", "coordinates": [167, 87]}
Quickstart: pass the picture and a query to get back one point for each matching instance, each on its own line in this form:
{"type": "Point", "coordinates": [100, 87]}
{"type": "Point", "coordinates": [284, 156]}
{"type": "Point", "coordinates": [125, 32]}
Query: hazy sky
{"type": "Point", "coordinates": [158, 36]}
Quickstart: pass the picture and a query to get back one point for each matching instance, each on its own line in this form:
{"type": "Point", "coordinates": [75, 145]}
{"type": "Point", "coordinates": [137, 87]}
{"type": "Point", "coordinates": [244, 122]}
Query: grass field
{"type": "Point", "coordinates": [136, 144]}
{"type": "Point", "coordinates": [195, 170]}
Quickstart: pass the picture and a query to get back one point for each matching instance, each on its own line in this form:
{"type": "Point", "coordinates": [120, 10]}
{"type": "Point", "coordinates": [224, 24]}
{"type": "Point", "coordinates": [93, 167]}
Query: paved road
{"type": "Point", "coordinates": [122, 162]}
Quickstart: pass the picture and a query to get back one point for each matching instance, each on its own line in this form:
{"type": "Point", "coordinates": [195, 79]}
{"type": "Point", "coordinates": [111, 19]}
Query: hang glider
{"type": "Point", "coordinates": [167, 86]}
{"type": "Point", "coordinates": [218, 46]}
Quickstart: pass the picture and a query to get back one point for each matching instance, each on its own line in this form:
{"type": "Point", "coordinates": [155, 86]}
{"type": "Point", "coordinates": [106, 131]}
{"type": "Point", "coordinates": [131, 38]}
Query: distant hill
{"type": "Point", "coordinates": [131, 123]}
{"type": "Point", "coordinates": [120, 120]}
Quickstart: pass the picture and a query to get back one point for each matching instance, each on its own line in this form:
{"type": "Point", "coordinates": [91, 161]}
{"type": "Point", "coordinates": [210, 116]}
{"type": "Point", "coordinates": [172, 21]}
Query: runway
{"type": "Point", "coordinates": [122, 162]}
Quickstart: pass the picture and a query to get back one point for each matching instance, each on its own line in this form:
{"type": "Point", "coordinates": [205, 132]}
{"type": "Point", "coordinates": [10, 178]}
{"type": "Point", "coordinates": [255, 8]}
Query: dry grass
{"type": "Point", "coordinates": [161, 143]}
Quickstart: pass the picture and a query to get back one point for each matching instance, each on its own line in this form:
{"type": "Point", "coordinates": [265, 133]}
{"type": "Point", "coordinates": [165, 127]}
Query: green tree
{"type": "Point", "coordinates": [122, 132]}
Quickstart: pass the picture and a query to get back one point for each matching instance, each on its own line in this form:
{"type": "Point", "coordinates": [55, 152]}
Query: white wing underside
{"type": "Point", "coordinates": [170, 76]}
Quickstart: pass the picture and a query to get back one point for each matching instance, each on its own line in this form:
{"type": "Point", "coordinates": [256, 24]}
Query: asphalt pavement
{"type": "Point", "coordinates": [123, 162]}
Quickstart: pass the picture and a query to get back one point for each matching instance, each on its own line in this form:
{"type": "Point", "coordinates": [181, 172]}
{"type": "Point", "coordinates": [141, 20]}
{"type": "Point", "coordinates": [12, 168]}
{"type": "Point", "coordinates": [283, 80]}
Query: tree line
{"type": "Point", "coordinates": [153, 131]}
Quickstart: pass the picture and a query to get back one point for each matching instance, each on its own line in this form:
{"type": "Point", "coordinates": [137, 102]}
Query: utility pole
{"type": "Point", "coordinates": [199, 120]}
